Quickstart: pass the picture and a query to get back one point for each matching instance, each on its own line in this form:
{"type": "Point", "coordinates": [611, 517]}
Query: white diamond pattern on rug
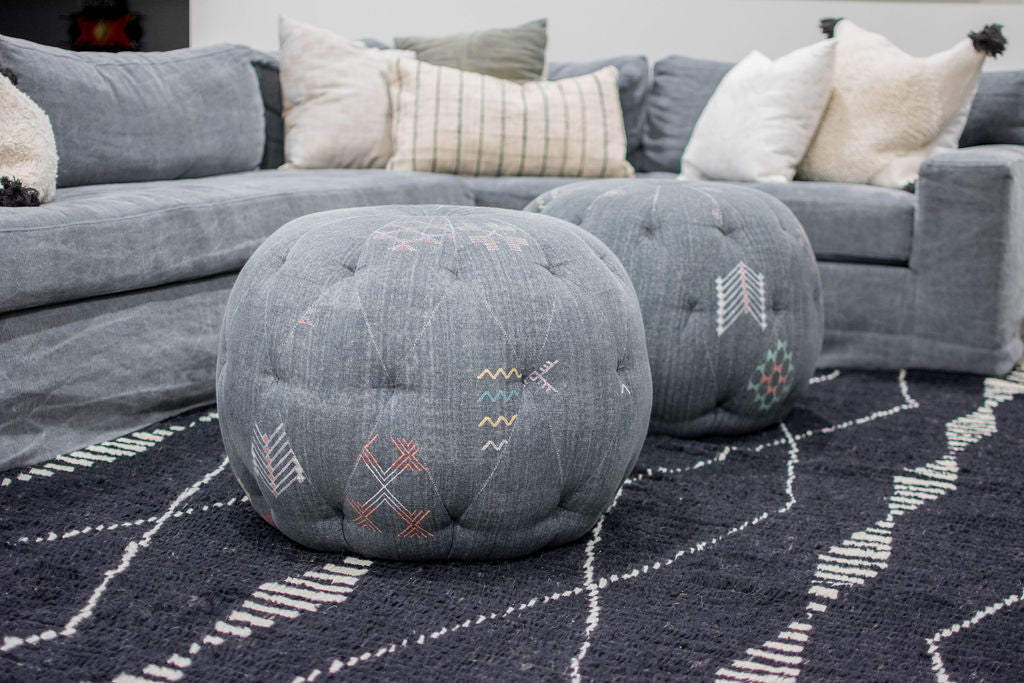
{"type": "Point", "coordinates": [274, 461]}
{"type": "Point", "coordinates": [865, 553]}
{"type": "Point", "coordinates": [287, 599]}
{"type": "Point", "coordinates": [289, 596]}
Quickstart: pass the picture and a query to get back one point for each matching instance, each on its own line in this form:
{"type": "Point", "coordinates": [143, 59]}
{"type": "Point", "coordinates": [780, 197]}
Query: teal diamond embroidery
{"type": "Point", "coordinates": [773, 378]}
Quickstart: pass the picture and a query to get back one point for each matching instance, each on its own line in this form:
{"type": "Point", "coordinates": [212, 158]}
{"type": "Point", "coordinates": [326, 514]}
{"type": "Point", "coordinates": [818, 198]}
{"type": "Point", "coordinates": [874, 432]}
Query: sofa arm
{"type": "Point", "coordinates": [967, 258]}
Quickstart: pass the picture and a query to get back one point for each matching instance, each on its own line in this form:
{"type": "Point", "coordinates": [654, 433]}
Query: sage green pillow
{"type": "Point", "coordinates": [514, 54]}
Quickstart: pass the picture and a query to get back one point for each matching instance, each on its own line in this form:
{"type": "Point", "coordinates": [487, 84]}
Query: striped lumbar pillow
{"type": "Point", "coordinates": [452, 121]}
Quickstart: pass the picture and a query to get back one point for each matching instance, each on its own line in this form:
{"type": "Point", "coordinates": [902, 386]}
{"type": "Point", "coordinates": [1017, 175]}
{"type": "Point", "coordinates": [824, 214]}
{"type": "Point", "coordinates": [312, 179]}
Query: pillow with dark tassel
{"type": "Point", "coordinates": [28, 151]}
{"type": "Point", "coordinates": [889, 111]}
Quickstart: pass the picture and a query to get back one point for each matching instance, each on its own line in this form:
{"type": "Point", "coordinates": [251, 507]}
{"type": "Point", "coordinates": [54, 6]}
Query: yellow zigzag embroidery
{"type": "Point", "coordinates": [500, 372]}
{"type": "Point", "coordinates": [501, 420]}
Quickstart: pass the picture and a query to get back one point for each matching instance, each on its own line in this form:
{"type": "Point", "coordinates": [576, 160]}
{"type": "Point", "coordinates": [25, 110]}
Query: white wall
{"type": "Point", "coordinates": [590, 29]}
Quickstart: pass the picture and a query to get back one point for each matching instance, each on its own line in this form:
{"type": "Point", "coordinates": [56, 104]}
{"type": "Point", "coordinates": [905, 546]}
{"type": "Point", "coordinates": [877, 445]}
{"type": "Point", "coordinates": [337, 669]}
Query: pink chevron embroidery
{"type": "Point", "coordinates": [489, 234]}
{"type": "Point", "coordinates": [740, 292]}
{"type": "Point", "coordinates": [538, 375]}
{"type": "Point", "coordinates": [407, 460]}
{"type": "Point", "coordinates": [413, 231]}
{"type": "Point", "coordinates": [274, 461]}
{"type": "Point", "coordinates": [363, 513]}
{"type": "Point", "coordinates": [413, 519]}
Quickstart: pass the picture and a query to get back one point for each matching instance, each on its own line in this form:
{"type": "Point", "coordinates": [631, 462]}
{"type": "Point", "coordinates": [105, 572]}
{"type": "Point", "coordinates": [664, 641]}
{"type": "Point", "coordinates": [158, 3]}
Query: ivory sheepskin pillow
{"type": "Point", "coordinates": [452, 121]}
{"type": "Point", "coordinates": [28, 150]}
{"type": "Point", "coordinates": [759, 121]}
{"type": "Point", "coordinates": [334, 92]}
{"type": "Point", "coordinates": [889, 111]}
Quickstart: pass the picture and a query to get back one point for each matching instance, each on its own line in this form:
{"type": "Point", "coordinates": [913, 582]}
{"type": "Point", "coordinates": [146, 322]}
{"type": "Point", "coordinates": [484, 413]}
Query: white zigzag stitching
{"type": "Point", "coordinates": [739, 292]}
{"type": "Point", "coordinates": [274, 461]}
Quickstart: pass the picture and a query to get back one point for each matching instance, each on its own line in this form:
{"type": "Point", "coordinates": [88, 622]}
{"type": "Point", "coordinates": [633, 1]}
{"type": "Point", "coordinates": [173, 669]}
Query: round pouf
{"type": "Point", "coordinates": [729, 289]}
{"type": "Point", "coordinates": [432, 382]}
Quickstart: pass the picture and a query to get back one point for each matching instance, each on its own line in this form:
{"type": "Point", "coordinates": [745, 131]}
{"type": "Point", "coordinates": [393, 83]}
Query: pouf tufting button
{"type": "Point", "coordinates": [729, 289]}
{"type": "Point", "coordinates": [424, 382]}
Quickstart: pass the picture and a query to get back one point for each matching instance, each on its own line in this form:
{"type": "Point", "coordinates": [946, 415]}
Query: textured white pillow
{"type": "Point", "coordinates": [761, 118]}
{"type": "Point", "coordinates": [337, 112]}
{"type": "Point", "coordinates": [452, 121]}
{"type": "Point", "coordinates": [28, 150]}
{"type": "Point", "coordinates": [889, 111]}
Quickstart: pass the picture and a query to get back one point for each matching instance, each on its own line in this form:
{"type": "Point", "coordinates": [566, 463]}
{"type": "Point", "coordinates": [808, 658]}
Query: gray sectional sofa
{"type": "Point", "coordinates": [111, 296]}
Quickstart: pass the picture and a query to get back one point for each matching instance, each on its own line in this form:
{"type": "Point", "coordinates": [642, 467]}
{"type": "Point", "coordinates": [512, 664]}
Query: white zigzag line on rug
{"type": "Point", "coordinates": [865, 553]}
{"type": "Point", "coordinates": [337, 665]}
{"type": "Point", "coordinates": [602, 583]}
{"type": "Point", "coordinates": [107, 451]}
{"type": "Point", "coordinates": [593, 590]}
{"type": "Point", "coordinates": [131, 550]}
{"type": "Point", "coordinates": [330, 583]}
{"type": "Point", "coordinates": [113, 526]}
{"type": "Point", "coordinates": [938, 666]}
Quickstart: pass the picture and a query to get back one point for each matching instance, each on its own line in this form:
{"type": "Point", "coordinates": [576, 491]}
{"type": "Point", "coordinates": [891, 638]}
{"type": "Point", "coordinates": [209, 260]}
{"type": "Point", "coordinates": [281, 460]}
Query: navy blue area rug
{"type": "Point", "coordinates": [878, 534]}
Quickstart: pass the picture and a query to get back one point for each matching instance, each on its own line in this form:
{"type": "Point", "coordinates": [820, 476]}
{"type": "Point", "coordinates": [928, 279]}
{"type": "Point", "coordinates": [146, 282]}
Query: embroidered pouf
{"type": "Point", "coordinates": [729, 289]}
{"type": "Point", "coordinates": [432, 382]}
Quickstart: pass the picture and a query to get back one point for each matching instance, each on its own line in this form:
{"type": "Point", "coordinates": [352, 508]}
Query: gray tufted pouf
{"type": "Point", "coordinates": [432, 382]}
{"type": "Point", "coordinates": [729, 289]}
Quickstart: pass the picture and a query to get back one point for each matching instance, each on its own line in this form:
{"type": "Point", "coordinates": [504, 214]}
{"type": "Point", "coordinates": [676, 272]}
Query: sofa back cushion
{"type": "Point", "coordinates": [997, 114]}
{"type": "Point", "coordinates": [268, 73]}
{"type": "Point", "coordinates": [633, 84]}
{"type": "Point", "coordinates": [144, 116]}
{"type": "Point", "coordinates": [515, 54]}
{"type": "Point", "coordinates": [680, 89]}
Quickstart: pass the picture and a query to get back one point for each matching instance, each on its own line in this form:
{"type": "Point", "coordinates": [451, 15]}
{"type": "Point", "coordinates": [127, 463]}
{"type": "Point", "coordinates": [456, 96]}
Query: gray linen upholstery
{"type": "Point", "coordinates": [134, 116]}
{"type": "Point", "coordinates": [679, 90]}
{"type": "Point", "coordinates": [959, 304]}
{"type": "Point", "coordinates": [76, 374]}
{"type": "Point", "coordinates": [432, 382]}
{"type": "Point", "coordinates": [110, 238]}
{"type": "Point", "coordinates": [511, 192]}
{"type": "Point", "coordinates": [997, 112]}
{"type": "Point", "coordinates": [634, 79]}
{"type": "Point", "coordinates": [515, 192]}
{"type": "Point", "coordinates": [845, 222]}
{"type": "Point", "coordinates": [729, 290]}
{"type": "Point", "coordinates": [968, 256]}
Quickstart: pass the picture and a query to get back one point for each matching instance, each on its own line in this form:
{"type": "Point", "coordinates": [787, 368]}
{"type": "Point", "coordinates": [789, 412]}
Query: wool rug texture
{"type": "Point", "coordinates": [878, 534]}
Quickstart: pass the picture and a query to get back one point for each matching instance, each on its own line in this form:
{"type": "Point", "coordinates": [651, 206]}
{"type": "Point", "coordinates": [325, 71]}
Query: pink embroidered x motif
{"type": "Point", "coordinates": [407, 460]}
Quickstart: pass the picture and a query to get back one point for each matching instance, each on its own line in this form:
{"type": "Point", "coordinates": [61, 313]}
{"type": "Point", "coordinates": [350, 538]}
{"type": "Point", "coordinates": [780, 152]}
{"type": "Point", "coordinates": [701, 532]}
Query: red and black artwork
{"type": "Point", "coordinates": [105, 26]}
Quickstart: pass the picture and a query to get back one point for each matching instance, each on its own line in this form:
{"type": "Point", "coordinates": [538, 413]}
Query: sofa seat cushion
{"type": "Point", "coordinates": [515, 192]}
{"type": "Point", "coordinates": [855, 223]}
{"type": "Point", "coordinates": [101, 239]}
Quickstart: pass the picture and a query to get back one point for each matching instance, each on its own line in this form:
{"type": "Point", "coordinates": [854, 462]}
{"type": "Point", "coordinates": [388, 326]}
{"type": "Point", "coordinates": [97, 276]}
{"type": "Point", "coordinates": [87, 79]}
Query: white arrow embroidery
{"type": "Point", "coordinates": [739, 292]}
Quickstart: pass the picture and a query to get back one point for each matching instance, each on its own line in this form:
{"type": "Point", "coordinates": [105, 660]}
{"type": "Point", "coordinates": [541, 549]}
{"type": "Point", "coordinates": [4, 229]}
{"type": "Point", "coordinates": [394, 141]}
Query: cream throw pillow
{"type": "Point", "coordinates": [758, 123]}
{"type": "Point", "coordinates": [28, 149]}
{"type": "Point", "coordinates": [452, 121]}
{"type": "Point", "coordinates": [337, 112]}
{"type": "Point", "coordinates": [889, 111]}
